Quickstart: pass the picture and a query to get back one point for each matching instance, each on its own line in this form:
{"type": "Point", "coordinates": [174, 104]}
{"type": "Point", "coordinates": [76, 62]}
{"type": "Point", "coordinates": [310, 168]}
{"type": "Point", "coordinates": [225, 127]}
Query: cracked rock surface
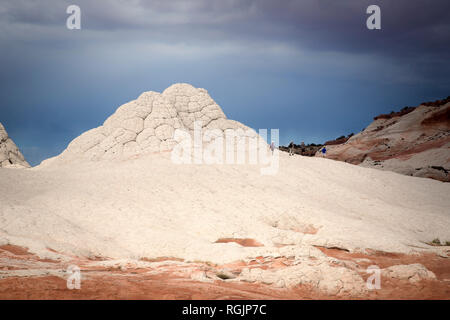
{"type": "Point", "coordinates": [10, 155]}
{"type": "Point", "coordinates": [147, 124]}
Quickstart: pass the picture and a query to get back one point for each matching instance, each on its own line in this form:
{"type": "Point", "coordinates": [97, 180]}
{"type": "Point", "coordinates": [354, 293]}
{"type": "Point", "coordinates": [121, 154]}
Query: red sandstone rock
{"type": "Point", "coordinates": [175, 281]}
{"type": "Point", "coordinates": [414, 141]}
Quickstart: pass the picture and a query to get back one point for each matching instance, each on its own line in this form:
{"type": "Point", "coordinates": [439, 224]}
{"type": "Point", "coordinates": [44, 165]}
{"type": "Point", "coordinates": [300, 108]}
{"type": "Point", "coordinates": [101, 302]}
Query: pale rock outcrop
{"type": "Point", "coordinates": [319, 275]}
{"type": "Point", "coordinates": [10, 155]}
{"type": "Point", "coordinates": [414, 142]}
{"type": "Point", "coordinates": [147, 125]}
{"type": "Point", "coordinates": [411, 272]}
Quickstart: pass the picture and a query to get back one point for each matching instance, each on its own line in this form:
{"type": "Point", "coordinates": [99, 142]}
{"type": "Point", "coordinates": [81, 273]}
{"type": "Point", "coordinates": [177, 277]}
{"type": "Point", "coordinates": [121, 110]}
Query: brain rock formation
{"type": "Point", "coordinates": [147, 124]}
{"type": "Point", "coordinates": [10, 155]}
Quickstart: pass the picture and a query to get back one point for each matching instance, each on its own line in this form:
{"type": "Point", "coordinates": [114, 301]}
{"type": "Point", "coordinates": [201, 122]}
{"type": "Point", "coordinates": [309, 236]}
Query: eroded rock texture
{"type": "Point", "coordinates": [10, 155]}
{"type": "Point", "coordinates": [147, 124]}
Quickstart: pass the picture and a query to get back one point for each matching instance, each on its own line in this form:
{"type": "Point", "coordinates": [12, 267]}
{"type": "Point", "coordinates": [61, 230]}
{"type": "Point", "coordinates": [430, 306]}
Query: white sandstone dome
{"type": "Point", "coordinates": [147, 124]}
{"type": "Point", "coordinates": [10, 155]}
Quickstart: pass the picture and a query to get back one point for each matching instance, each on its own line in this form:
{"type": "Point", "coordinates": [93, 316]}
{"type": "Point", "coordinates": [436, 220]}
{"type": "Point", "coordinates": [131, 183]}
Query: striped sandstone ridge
{"type": "Point", "coordinates": [414, 142]}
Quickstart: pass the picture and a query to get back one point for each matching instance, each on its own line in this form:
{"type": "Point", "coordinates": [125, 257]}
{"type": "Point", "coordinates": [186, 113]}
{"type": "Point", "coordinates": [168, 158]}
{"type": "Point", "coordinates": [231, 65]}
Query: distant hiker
{"type": "Point", "coordinates": [291, 148]}
{"type": "Point", "coordinates": [272, 146]}
{"type": "Point", "coordinates": [324, 151]}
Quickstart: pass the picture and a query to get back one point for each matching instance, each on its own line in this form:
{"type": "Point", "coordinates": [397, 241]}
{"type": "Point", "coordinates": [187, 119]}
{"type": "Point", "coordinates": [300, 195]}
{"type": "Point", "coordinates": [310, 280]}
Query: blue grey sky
{"type": "Point", "coordinates": [310, 68]}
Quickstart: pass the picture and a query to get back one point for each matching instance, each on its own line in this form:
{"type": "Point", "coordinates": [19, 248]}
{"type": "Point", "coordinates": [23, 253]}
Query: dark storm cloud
{"type": "Point", "coordinates": [44, 12]}
{"type": "Point", "coordinates": [408, 27]}
{"type": "Point", "coordinates": [414, 32]}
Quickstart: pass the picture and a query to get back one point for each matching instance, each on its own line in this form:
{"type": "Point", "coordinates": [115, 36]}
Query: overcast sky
{"type": "Point", "coordinates": [308, 67]}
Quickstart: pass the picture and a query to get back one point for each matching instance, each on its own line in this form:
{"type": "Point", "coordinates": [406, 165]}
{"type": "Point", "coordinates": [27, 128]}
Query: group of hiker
{"type": "Point", "coordinates": [292, 146]}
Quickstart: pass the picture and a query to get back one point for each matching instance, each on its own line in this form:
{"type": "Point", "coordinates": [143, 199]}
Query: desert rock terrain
{"type": "Point", "coordinates": [414, 141]}
{"type": "Point", "coordinates": [140, 226]}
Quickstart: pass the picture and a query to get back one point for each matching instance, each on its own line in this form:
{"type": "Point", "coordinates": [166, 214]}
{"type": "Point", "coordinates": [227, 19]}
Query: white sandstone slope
{"type": "Point", "coordinates": [150, 207]}
{"type": "Point", "coordinates": [147, 206]}
{"type": "Point", "coordinates": [10, 155]}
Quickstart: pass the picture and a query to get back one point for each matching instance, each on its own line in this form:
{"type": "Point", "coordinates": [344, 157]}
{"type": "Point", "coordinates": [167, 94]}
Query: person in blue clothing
{"type": "Point", "coordinates": [324, 152]}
